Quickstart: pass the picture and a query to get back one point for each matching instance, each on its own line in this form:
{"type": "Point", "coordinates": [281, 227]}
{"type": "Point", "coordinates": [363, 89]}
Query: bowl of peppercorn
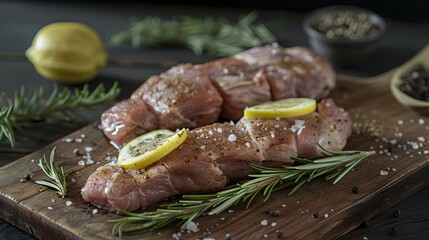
{"type": "Point", "coordinates": [410, 83]}
{"type": "Point", "coordinates": [345, 35]}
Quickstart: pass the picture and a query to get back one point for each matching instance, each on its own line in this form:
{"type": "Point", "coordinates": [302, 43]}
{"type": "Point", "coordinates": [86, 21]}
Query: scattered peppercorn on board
{"type": "Point", "coordinates": [319, 210]}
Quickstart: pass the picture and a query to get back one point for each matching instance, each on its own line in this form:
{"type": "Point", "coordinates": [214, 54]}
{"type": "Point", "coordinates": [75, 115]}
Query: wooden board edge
{"type": "Point", "coordinates": [21, 216]}
{"type": "Point", "coordinates": [382, 200]}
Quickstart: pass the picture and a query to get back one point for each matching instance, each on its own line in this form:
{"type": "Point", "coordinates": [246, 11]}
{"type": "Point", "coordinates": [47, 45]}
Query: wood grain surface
{"type": "Point", "coordinates": [397, 170]}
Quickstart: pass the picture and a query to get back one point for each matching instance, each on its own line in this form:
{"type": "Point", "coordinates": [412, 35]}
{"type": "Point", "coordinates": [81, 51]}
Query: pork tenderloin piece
{"type": "Point", "coordinates": [215, 154]}
{"type": "Point", "coordinates": [194, 95]}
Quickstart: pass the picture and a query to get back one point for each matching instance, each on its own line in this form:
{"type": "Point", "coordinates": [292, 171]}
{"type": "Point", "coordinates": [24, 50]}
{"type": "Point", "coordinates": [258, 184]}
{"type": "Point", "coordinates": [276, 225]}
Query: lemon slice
{"type": "Point", "coordinates": [281, 108]}
{"type": "Point", "coordinates": [150, 147]}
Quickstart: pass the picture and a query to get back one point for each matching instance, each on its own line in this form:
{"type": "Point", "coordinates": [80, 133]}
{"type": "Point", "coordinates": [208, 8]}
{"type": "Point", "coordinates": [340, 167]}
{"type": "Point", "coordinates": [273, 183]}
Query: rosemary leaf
{"type": "Point", "coordinates": [268, 180]}
{"type": "Point", "coordinates": [218, 37]}
{"type": "Point", "coordinates": [57, 176]}
{"type": "Point", "coordinates": [60, 104]}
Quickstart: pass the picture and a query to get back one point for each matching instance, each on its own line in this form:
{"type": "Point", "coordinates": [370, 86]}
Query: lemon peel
{"type": "Point", "coordinates": [284, 108]}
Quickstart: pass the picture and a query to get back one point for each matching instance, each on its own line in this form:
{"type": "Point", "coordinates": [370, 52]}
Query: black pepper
{"type": "Point", "coordinates": [397, 213]}
{"type": "Point", "coordinates": [267, 211]}
{"type": "Point", "coordinates": [355, 190]}
{"type": "Point", "coordinates": [416, 83]}
{"type": "Point", "coordinates": [316, 214]}
{"type": "Point", "coordinates": [279, 234]}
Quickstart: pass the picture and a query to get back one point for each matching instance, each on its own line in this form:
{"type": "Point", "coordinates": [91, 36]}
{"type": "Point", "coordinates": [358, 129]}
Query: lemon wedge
{"type": "Point", "coordinates": [284, 108]}
{"type": "Point", "coordinates": [150, 147]}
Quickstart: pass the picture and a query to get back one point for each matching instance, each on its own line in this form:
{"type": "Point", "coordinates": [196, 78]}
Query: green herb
{"type": "Point", "coordinates": [57, 176]}
{"type": "Point", "coordinates": [218, 37]}
{"type": "Point", "coordinates": [332, 165]}
{"type": "Point", "coordinates": [60, 104]}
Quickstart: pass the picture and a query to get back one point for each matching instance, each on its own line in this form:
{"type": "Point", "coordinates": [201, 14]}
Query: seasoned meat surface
{"type": "Point", "coordinates": [127, 120]}
{"type": "Point", "coordinates": [181, 97]}
{"type": "Point", "coordinates": [292, 72]}
{"type": "Point", "coordinates": [215, 154]}
{"type": "Point", "coordinates": [240, 85]}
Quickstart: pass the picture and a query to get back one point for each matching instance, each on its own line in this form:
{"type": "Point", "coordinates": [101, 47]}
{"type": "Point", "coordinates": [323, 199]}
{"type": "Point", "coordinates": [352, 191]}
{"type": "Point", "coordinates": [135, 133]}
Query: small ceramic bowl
{"type": "Point", "coordinates": [422, 59]}
{"type": "Point", "coordinates": [345, 35]}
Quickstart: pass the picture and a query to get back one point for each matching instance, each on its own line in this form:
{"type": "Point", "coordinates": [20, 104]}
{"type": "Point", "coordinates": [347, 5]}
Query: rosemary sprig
{"type": "Point", "coordinates": [60, 104]}
{"type": "Point", "coordinates": [218, 37]}
{"type": "Point", "coordinates": [332, 165]}
{"type": "Point", "coordinates": [57, 176]}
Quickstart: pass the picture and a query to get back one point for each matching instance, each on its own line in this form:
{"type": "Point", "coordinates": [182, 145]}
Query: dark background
{"type": "Point", "coordinates": [407, 32]}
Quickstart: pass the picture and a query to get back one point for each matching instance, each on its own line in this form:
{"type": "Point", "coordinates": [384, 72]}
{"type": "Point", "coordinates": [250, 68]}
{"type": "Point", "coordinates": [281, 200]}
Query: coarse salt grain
{"type": "Point", "coordinates": [88, 149]}
{"type": "Point", "coordinates": [264, 222]}
{"type": "Point", "coordinates": [232, 138]}
{"type": "Point", "coordinates": [81, 163]}
{"type": "Point", "coordinates": [421, 139]}
{"type": "Point", "coordinates": [265, 235]}
{"type": "Point", "coordinates": [273, 224]}
{"type": "Point", "coordinates": [421, 121]}
{"type": "Point", "coordinates": [383, 172]}
{"type": "Point", "coordinates": [247, 144]}
{"type": "Point", "coordinates": [203, 147]}
{"type": "Point", "coordinates": [73, 179]}
{"type": "Point", "coordinates": [298, 126]}
{"type": "Point", "coordinates": [78, 140]}
{"type": "Point", "coordinates": [272, 135]}
{"type": "Point", "coordinates": [68, 140]}
{"type": "Point", "coordinates": [326, 215]}
{"type": "Point", "coordinates": [50, 208]}
{"type": "Point", "coordinates": [94, 211]}
{"type": "Point", "coordinates": [174, 236]}
{"type": "Point", "coordinates": [400, 122]}
{"type": "Point", "coordinates": [89, 161]}
{"type": "Point", "coordinates": [68, 203]}
{"type": "Point", "coordinates": [191, 226]}
{"type": "Point", "coordinates": [219, 130]}
{"type": "Point", "coordinates": [115, 145]}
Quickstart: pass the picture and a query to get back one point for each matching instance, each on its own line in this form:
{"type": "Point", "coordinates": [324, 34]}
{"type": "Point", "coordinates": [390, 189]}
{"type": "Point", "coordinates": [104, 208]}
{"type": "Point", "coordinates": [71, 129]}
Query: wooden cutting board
{"type": "Point", "coordinates": [400, 168]}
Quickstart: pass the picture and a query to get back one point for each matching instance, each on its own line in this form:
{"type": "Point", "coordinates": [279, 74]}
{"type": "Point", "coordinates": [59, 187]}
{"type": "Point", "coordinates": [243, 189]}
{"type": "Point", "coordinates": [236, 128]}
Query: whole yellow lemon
{"type": "Point", "coordinates": [68, 52]}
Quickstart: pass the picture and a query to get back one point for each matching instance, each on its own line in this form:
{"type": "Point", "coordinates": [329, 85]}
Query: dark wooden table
{"type": "Point", "coordinates": [19, 22]}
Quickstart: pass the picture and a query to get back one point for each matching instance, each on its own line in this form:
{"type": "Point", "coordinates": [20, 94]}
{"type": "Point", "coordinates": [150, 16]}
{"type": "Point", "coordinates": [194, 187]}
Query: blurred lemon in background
{"type": "Point", "coordinates": [67, 52]}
